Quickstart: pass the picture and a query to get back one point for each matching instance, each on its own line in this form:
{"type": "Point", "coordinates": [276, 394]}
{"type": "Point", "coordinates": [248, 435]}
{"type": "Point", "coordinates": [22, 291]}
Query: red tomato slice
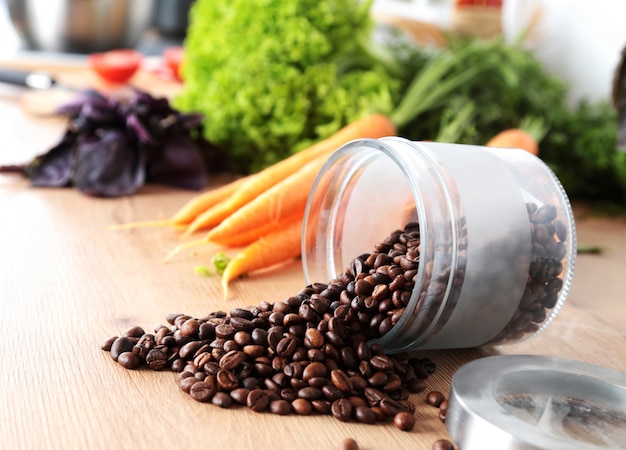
{"type": "Point", "coordinates": [173, 59]}
{"type": "Point", "coordinates": [485, 3]}
{"type": "Point", "coordinates": [116, 66]}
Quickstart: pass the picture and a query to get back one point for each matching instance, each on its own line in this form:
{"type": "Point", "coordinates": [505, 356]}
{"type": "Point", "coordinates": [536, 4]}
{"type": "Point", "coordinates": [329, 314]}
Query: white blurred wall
{"type": "Point", "coordinates": [580, 40]}
{"type": "Point", "coordinates": [9, 41]}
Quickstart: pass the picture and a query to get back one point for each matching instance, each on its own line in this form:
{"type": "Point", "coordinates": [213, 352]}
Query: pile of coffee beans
{"type": "Point", "coordinates": [309, 353]}
{"type": "Point", "coordinates": [312, 352]}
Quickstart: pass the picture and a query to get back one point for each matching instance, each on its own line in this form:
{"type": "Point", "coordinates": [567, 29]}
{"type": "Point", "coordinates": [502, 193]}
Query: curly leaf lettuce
{"type": "Point", "coordinates": [271, 76]}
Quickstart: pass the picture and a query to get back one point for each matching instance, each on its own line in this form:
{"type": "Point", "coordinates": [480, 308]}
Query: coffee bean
{"type": "Point", "coordinates": [341, 381]}
{"type": "Point", "coordinates": [206, 331]}
{"type": "Point", "coordinates": [241, 324]}
{"type": "Point", "coordinates": [364, 414]}
{"type": "Point", "coordinates": [314, 369]}
{"type": "Point", "coordinates": [341, 409]}
{"type": "Point", "coordinates": [313, 338]}
{"type": "Point", "coordinates": [321, 406]}
{"type": "Point", "coordinates": [443, 411]}
{"type": "Point", "coordinates": [404, 421]}
{"type": "Point", "coordinates": [231, 360]}
{"type": "Point", "coordinates": [227, 380]}
{"type": "Point", "coordinates": [135, 332]}
{"type": "Point", "coordinates": [416, 385]}
{"type": "Point", "coordinates": [222, 399]}
{"type": "Point", "coordinates": [380, 413]}
{"type": "Point", "coordinates": [286, 346]}
{"type": "Point", "coordinates": [373, 396]}
{"type": "Point", "coordinates": [121, 345]}
{"type": "Point", "coordinates": [435, 398]}
{"type": "Point", "coordinates": [358, 383]}
{"type": "Point", "coordinates": [392, 407]}
{"type": "Point", "coordinates": [106, 345]}
{"type": "Point", "coordinates": [281, 407]}
{"type": "Point", "coordinates": [381, 362]}
{"type": "Point", "coordinates": [302, 406]}
{"type": "Point", "coordinates": [240, 395]}
{"type": "Point", "coordinates": [157, 358]}
{"type": "Point", "coordinates": [310, 393]}
{"type": "Point", "coordinates": [190, 328]}
{"type": "Point", "coordinates": [349, 444]}
{"type": "Point", "coordinates": [257, 400]}
{"type": "Point", "coordinates": [129, 360]}
{"type": "Point", "coordinates": [377, 379]}
{"type": "Point", "coordinates": [443, 444]}
{"type": "Point", "coordinates": [187, 383]}
{"type": "Point", "coordinates": [203, 391]}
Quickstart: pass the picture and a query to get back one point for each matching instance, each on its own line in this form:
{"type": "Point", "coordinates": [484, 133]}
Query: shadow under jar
{"type": "Point", "coordinates": [485, 238]}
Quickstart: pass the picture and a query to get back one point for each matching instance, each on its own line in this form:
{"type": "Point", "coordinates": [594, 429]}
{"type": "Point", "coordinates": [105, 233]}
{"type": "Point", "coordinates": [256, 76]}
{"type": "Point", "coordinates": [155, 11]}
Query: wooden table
{"type": "Point", "coordinates": [67, 283]}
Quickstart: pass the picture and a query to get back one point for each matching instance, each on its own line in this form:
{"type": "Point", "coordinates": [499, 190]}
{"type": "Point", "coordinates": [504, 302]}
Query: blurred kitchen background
{"type": "Point", "coordinates": [86, 26]}
{"type": "Point", "coordinates": [580, 40]}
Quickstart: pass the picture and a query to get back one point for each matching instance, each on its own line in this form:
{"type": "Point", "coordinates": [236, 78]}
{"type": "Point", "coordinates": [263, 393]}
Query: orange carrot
{"type": "Point", "coordinates": [371, 126]}
{"type": "Point", "coordinates": [211, 217]}
{"type": "Point", "coordinates": [190, 210]}
{"type": "Point", "coordinates": [271, 249]}
{"type": "Point", "coordinates": [250, 235]}
{"type": "Point", "coordinates": [285, 199]}
{"type": "Point", "coordinates": [515, 138]}
{"type": "Point", "coordinates": [200, 203]}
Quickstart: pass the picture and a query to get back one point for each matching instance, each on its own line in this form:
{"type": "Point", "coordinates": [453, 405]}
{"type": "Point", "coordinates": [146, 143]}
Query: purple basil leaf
{"type": "Point", "coordinates": [74, 106]}
{"type": "Point", "coordinates": [108, 165]}
{"type": "Point", "coordinates": [53, 168]}
{"type": "Point", "coordinates": [135, 126]}
{"type": "Point", "coordinates": [177, 163]}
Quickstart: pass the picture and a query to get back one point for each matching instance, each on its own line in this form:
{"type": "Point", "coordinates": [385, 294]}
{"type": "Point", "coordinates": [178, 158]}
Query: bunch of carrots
{"type": "Point", "coordinates": [261, 214]}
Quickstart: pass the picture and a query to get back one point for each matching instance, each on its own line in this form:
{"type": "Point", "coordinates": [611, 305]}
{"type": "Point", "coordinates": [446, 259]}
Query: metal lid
{"type": "Point", "coordinates": [536, 402]}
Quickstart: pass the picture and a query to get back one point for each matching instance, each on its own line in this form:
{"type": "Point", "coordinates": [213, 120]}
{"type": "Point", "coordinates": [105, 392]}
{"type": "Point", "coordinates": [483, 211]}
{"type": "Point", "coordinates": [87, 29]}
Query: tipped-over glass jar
{"type": "Point", "coordinates": [486, 241]}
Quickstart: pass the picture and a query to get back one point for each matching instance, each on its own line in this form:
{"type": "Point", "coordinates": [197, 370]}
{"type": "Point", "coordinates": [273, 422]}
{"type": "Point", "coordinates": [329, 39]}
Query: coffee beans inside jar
{"type": "Point", "coordinates": [310, 353]}
{"type": "Point", "coordinates": [492, 241]}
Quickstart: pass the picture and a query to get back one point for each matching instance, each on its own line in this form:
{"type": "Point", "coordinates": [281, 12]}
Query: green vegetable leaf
{"type": "Point", "coordinates": [220, 261]}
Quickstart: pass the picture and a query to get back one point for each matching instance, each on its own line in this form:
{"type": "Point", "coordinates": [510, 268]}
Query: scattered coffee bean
{"type": "Point", "coordinates": [435, 398]}
{"type": "Point", "coordinates": [443, 444]}
{"type": "Point", "coordinates": [349, 444]}
{"type": "Point", "coordinates": [404, 421]}
{"type": "Point", "coordinates": [443, 411]}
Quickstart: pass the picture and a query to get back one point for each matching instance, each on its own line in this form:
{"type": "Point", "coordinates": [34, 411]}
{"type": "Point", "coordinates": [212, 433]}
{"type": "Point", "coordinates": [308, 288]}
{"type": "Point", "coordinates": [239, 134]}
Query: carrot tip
{"type": "Point", "coordinates": [181, 247]}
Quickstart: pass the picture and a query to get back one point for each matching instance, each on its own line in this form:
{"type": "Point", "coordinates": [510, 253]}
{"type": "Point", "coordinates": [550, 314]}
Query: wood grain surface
{"type": "Point", "coordinates": [67, 283]}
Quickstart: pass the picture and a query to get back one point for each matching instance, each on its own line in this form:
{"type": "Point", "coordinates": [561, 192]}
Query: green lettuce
{"type": "Point", "coordinates": [271, 76]}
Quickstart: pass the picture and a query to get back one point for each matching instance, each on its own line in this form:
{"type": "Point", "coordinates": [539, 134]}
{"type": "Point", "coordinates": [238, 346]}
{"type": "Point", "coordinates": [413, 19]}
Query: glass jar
{"type": "Point", "coordinates": [497, 239]}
